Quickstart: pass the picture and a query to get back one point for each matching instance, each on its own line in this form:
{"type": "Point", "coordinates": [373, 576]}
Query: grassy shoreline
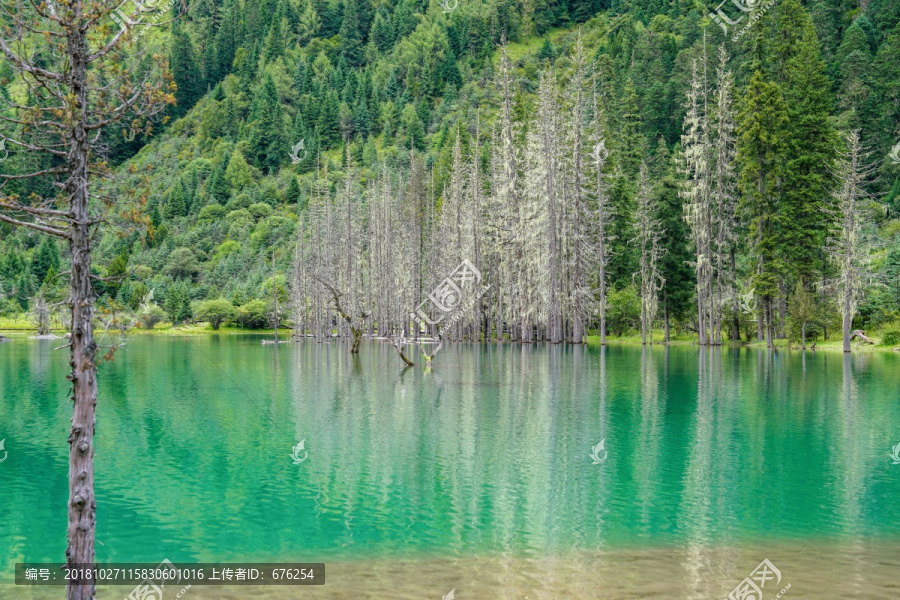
{"type": "Point", "coordinates": [22, 327]}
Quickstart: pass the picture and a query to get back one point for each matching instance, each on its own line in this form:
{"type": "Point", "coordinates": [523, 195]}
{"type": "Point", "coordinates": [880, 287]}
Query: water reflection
{"type": "Point", "coordinates": [710, 450]}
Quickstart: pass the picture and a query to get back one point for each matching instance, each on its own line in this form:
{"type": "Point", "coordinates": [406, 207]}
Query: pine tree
{"type": "Point", "coordinates": [310, 24]}
{"type": "Point", "coordinates": [632, 143]}
{"type": "Point", "coordinates": [413, 130]}
{"type": "Point", "coordinates": [676, 254]}
{"type": "Point", "coordinates": [266, 136]}
{"type": "Point", "coordinates": [807, 151]}
{"type": "Point", "coordinates": [183, 64]}
{"type": "Point", "coordinates": [217, 187]}
{"type": "Point", "coordinates": [238, 174]}
{"type": "Point", "coordinates": [382, 34]}
{"type": "Point", "coordinates": [177, 203]}
{"type": "Point", "coordinates": [761, 123]}
{"type": "Point", "coordinates": [45, 258]}
{"type": "Point", "coordinates": [293, 193]}
{"type": "Point", "coordinates": [328, 127]}
{"type": "Point", "coordinates": [351, 38]}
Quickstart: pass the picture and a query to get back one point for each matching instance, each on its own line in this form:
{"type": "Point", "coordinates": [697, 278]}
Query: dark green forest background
{"type": "Point", "coordinates": [390, 82]}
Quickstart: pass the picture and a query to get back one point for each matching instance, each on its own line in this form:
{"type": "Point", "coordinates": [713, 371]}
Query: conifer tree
{"type": "Point", "coordinates": [807, 150]}
{"type": "Point", "coordinates": [176, 206]}
{"type": "Point", "coordinates": [185, 72]}
{"type": "Point", "coordinates": [351, 38]}
{"type": "Point", "coordinates": [761, 123]}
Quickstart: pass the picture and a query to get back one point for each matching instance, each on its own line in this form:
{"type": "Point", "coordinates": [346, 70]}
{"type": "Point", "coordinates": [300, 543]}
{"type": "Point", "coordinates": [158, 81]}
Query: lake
{"type": "Point", "coordinates": [483, 475]}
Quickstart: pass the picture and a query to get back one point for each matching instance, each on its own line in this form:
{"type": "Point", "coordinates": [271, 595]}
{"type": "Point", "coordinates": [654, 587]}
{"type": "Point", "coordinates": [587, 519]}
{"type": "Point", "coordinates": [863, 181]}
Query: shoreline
{"type": "Point", "coordinates": [284, 334]}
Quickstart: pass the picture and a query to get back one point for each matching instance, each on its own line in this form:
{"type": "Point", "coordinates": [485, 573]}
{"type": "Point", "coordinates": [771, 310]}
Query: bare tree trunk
{"type": "Point", "coordinates": [846, 320]}
{"type": "Point", "coordinates": [803, 335]}
{"type": "Point", "coordinates": [735, 322]}
{"type": "Point", "coordinates": [82, 504]}
{"type": "Point", "coordinates": [666, 322]}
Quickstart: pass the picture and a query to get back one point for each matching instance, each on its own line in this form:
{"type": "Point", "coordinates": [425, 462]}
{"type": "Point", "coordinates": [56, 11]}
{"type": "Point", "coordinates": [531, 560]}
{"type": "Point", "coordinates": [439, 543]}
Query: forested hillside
{"type": "Point", "coordinates": [606, 165]}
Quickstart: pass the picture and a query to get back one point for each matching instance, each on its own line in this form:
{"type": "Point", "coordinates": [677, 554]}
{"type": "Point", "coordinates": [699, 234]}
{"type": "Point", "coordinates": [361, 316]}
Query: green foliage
{"type": "Point", "coordinates": [392, 80]}
{"type": "Point", "coordinates": [623, 311]}
{"type": "Point", "coordinates": [253, 314]}
{"type": "Point", "coordinates": [149, 316]}
{"type": "Point", "coordinates": [115, 271]}
{"type": "Point", "coordinates": [176, 206]}
{"type": "Point", "coordinates": [182, 264]}
{"type": "Point", "coordinates": [215, 312]}
{"type": "Point", "coordinates": [183, 64]}
{"type": "Point", "coordinates": [238, 174]}
{"type": "Point", "coordinates": [178, 301]}
{"type": "Point", "coordinates": [891, 338]}
{"type": "Point", "coordinates": [211, 212]}
{"type": "Point", "coordinates": [802, 311]}
{"type": "Point", "coordinates": [45, 258]}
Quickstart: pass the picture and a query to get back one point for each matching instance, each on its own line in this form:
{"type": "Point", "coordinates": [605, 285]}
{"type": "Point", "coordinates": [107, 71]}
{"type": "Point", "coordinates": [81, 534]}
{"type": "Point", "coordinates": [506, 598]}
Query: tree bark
{"type": "Point", "coordinates": [82, 506]}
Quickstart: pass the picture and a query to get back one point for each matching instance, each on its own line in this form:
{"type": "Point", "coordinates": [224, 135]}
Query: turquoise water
{"type": "Point", "coordinates": [489, 452]}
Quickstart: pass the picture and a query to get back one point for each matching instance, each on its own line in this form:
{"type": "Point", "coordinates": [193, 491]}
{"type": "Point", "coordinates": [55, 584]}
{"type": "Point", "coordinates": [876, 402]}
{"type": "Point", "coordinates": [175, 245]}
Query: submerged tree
{"type": "Point", "coordinates": [648, 235]}
{"type": "Point", "coordinates": [851, 208]}
{"type": "Point", "coordinates": [78, 84]}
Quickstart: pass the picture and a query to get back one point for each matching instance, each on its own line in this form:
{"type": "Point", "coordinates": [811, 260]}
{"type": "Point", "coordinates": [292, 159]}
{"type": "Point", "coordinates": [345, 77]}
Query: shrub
{"type": "Point", "coordinates": [241, 214]}
{"type": "Point", "coordinates": [623, 310]}
{"type": "Point", "coordinates": [254, 314]}
{"type": "Point", "coordinates": [148, 315]}
{"type": "Point", "coordinates": [891, 338]}
{"type": "Point", "coordinates": [241, 201]}
{"type": "Point", "coordinates": [260, 210]}
{"type": "Point", "coordinates": [226, 248]}
{"type": "Point", "coordinates": [212, 212]}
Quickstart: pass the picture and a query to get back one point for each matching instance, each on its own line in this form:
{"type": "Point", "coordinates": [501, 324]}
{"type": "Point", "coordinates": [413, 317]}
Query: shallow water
{"type": "Point", "coordinates": [476, 475]}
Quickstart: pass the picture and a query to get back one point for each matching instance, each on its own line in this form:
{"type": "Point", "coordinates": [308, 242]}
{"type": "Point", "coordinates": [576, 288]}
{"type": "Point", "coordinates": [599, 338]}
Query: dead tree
{"type": "Point", "coordinates": [647, 240]}
{"type": "Point", "coordinates": [848, 246]}
{"type": "Point", "coordinates": [78, 86]}
{"type": "Point", "coordinates": [399, 342]}
{"type": "Point", "coordinates": [429, 358]}
{"type": "Point", "coordinates": [355, 324]}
